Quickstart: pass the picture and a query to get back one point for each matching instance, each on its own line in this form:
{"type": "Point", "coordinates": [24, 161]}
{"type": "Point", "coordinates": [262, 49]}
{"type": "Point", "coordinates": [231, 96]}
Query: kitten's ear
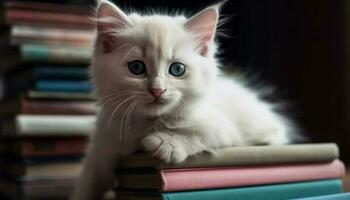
{"type": "Point", "coordinates": [203, 25]}
{"type": "Point", "coordinates": [110, 18]}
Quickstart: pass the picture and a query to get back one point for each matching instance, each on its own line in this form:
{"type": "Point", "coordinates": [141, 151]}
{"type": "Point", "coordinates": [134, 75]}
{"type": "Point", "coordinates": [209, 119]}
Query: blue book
{"type": "Point", "coordinates": [59, 78]}
{"type": "Point", "coordinates": [60, 72]}
{"type": "Point", "coordinates": [341, 196]}
{"type": "Point", "coordinates": [270, 192]}
{"type": "Point", "coordinates": [62, 86]}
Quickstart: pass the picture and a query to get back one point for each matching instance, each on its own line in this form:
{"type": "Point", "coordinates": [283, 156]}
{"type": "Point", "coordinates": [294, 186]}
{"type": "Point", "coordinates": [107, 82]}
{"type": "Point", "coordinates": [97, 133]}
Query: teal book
{"type": "Point", "coordinates": [341, 196]}
{"type": "Point", "coordinates": [270, 192]}
{"type": "Point", "coordinates": [59, 72]}
{"type": "Point", "coordinates": [56, 54]}
{"type": "Point", "coordinates": [63, 86]}
{"type": "Point", "coordinates": [16, 86]}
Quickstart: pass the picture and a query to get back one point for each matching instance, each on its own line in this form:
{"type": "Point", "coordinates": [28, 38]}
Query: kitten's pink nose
{"type": "Point", "coordinates": [156, 92]}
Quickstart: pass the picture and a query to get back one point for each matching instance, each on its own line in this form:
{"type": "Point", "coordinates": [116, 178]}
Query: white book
{"type": "Point", "coordinates": [50, 125]}
{"type": "Point", "coordinates": [49, 33]}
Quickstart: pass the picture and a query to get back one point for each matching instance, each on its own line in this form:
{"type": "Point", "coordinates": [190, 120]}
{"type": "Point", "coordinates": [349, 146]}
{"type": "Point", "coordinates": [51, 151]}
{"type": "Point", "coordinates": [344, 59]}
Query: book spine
{"type": "Point", "coordinates": [264, 154]}
{"type": "Point", "coordinates": [51, 7]}
{"type": "Point", "coordinates": [27, 187]}
{"type": "Point", "coordinates": [17, 41]}
{"type": "Point", "coordinates": [282, 191]}
{"type": "Point", "coordinates": [343, 196]}
{"type": "Point", "coordinates": [63, 86]}
{"type": "Point", "coordinates": [58, 54]}
{"type": "Point", "coordinates": [40, 33]}
{"type": "Point", "coordinates": [69, 169]}
{"type": "Point", "coordinates": [16, 16]}
{"type": "Point", "coordinates": [57, 107]}
{"type": "Point", "coordinates": [179, 180]}
{"type": "Point", "coordinates": [60, 95]}
{"type": "Point", "coordinates": [52, 124]}
{"type": "Point", "coordinates": [53, 147]}
{"type": "Point", "coordinates": [54, 188]}
{"type": "Point", "coordinates": [65, 72]}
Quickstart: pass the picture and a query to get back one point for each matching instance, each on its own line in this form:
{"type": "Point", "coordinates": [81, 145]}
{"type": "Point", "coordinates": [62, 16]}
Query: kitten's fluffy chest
{"type": "Point", "coordinates": [139, 128]}
{"type": "Point", "coordinates": [149, 125]}
{"type": "Point", "coordinates": [137, 125]}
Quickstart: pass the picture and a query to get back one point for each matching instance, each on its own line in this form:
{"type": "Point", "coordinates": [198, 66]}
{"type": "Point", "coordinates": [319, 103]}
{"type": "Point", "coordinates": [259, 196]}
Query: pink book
{"type": "Point", "coordinates": [18, 16]}
{"type": "Point", "coordinates": [205, 178]}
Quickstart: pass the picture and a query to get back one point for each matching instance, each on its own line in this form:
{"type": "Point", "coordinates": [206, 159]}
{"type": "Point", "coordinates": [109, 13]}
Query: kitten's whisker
{"type": "Point", "coordinates": [118, 99]}
{"type": "Point", "coordinates": [127, 54]}
{"type": "Point", "coordinates": [138, 110]}
{"type": "Point", "coordinates": [112, 94]}
{"type": "Point", "coordinates": [115, 110]}
{"type": "Point", "coordinates": [121, 132]}
{"type": "Point", "coordinates": [110, 20]}
{"type": "Point", "coordinates": [124, 45]}
{"type": "Point", "coordinates": [135, 55]}
{"type": "Point", "coordinates": [203, 26]}
{"type": "Point", "coordinates": [114, 98]}
{"type": "Point", "coordinates": [127, 121]}
{"type": "Point", "coordinates": [111, 117]}
{"type": "Point", "coordinates": [106, 96]}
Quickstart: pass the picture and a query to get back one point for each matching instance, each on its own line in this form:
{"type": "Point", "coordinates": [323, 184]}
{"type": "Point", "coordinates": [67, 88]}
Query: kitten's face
{"type": "Point", "coordinates": [155, 64]}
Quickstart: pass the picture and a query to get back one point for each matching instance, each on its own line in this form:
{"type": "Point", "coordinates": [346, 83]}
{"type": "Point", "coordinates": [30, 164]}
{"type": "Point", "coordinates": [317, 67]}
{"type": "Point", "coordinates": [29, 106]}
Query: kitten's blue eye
{"type": "Point", "coordinates": [177, 69]}
{"type": "Point", "coordinates": [137, 67]}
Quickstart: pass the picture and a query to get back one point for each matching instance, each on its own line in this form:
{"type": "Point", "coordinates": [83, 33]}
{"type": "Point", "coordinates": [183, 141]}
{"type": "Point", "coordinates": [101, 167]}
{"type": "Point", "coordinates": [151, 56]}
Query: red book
{"type": "Point", "coordinates": [48, 18]}
{"type": "Point", "coordinates": [52, 7]}
{"type": "Point", "coordinates": [43, 146]}
{"type": "Point", "coordinates": [228, 177]}
{"type": "Point", "coordinates": [46, 107]}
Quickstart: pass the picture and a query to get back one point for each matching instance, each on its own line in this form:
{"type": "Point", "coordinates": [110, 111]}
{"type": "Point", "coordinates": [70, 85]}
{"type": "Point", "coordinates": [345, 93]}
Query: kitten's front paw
{"type": "Point", "coordinates": [166, 147]}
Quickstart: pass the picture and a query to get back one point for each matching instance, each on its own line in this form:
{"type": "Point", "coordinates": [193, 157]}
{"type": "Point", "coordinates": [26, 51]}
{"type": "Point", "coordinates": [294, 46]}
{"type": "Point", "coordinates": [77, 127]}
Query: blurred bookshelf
{"type": "Point", "coordinates": [47, 107]}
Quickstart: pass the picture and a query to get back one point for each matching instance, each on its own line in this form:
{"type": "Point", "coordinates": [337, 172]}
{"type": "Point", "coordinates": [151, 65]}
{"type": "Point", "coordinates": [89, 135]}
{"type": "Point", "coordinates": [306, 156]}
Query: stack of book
{"type": "Point", "coordinates": [239, 173]}
{"type": "Point", "coordinates": [48, 108]}
{"type": "Point", "coordinates": [49, 32]}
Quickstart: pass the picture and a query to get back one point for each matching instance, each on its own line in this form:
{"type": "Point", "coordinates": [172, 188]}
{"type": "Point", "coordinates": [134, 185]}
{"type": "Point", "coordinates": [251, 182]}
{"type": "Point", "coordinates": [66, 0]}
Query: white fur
{"type": "Point", "coordinates": [200, 111]}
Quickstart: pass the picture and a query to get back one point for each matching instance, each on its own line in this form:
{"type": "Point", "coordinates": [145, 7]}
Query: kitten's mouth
{"type": "Point", "coordinates": [158, 101]}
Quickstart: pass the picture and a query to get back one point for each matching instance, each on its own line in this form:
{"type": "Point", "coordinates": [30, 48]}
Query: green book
{"type": "Point", "coordinates": [60, 95]}
{"type": "Point", "coordinates": [245, 155]}
{"type": "Point", "coordinates": [270, 192]}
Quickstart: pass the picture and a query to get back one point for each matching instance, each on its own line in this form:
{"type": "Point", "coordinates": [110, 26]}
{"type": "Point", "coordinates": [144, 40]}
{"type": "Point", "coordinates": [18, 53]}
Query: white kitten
{"type": "Point", "coordinates": [159, 86]}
